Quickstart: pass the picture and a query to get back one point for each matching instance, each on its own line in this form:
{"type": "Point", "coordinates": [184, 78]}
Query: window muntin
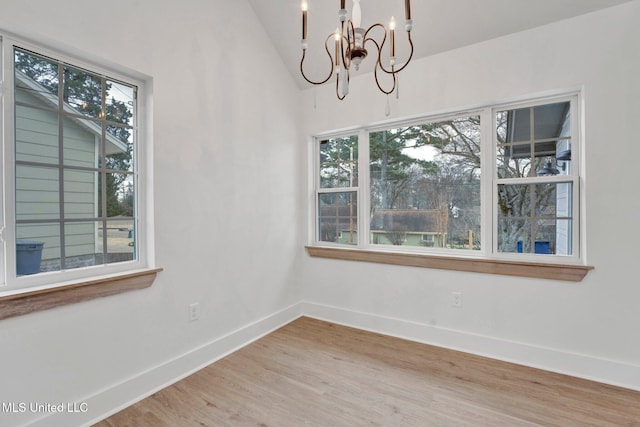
{"type": "Point", "coordinates": [425, 181]}
{"type": "Point", "coordinates": [524, 204]}
{"type": "Point", "coordinates": [72, 163]}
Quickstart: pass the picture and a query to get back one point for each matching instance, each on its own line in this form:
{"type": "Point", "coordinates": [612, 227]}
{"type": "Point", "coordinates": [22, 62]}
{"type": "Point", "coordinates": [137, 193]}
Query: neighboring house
{"type": "Point", "coordinates": [37, 188]}
{"type": "Point", "coordinates": [409, 227]}
{"type": "Point", "coordinates": [338, 223]}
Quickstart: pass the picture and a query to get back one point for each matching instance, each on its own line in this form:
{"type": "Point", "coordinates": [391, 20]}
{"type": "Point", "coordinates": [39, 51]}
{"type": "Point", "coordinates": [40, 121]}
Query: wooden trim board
{"type": "Point", "coordinates": [18, 304]}
{"type": "Point", "coordinates": [568, 272]}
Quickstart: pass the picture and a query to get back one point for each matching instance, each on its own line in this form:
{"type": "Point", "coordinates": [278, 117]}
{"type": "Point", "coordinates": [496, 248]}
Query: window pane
{"type": "Point", "coordinates": [81, 244]}
{"type": "Point", "coordinates": [514, 166]}
{"type": "Point", "coordinates": [513, 235]}
{"type": "Point", "coordinates": [119, 148]}
{"type": "Point", "coordinates": [36, 80]}
{"type": "Point", "coordinates": [119, 195]}
{"type": "Point", "coordinates": [514, 201]}
{"type": "Point", "coordinates": [119, 102]}
{"type": "Point", "coordinates": [81, 142]}
{"type": "Point", "coordinates": [126, 195]}
{"type": "Point", "coordinates": [564, 237]}
{"type": "Point", "coordinates": [551, 120]}
{"type": "Point", "coordinates": [37, 193]}
{"type": "Point", "coordinates": [80, 194]}
{"type": "Point", "coordinates": [120, 240]}
{"type": "Point", "coordinates": [425, 185]}
{"type": "Point", "coordinates": [338, 217]}
{"type": "Point", "coordinates": [514, 125]}
{"type": "Point", "coordinates": [36, 135]}
{"type": "Point", "coordinates": [82, 91]}
{"type": "Point", "coordinates": [37, 247]}
{"type": "Point", "coordinates": [534, 141]}
{"type": "Point", "coordinates": [339, 162]}
{"type": "Point", "coordinates": [535, 218]}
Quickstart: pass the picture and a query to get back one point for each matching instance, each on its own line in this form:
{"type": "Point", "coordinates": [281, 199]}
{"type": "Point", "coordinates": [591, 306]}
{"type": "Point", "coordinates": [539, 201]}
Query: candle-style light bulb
{"type": "Point", "coordinates": [392, 28]}
{"type": "Point", "coordinates": [356, 14]}
{"type": "Point", "coordinates": [338, 36]}
{"type": "Point", "coordinates": [305, 6]}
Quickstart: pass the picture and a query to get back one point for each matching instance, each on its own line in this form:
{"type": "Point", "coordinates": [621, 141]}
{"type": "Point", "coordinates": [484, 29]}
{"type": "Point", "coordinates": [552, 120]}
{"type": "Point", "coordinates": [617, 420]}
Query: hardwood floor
{"type": "Point", "coordinates": [314, 373]}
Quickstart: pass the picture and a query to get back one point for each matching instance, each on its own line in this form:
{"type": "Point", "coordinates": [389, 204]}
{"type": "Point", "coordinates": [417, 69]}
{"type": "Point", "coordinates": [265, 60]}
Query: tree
{"type": "Point", "coordinates": [448, 180]}
{"type": "Point", "coordinates": [518, 204]}
{"type": "Point", "coordinates": [392, 171]}
{"type": "Point", "coordinates": [397, 235]}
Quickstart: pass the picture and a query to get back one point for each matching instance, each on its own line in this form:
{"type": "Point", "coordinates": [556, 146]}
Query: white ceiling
{"type": "Point", "coordinates": [439, 25]}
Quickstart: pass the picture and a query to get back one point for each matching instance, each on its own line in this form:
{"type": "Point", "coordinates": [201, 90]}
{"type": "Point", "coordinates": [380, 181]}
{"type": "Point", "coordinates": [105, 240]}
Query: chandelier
{"type": "Point", "coordinates": [350, 42]}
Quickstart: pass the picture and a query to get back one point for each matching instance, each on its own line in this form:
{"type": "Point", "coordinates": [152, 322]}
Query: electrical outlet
{"type": "Point", "coordinates": [194, 311]}
{"type": "Point", "coordinates": [456, 299]}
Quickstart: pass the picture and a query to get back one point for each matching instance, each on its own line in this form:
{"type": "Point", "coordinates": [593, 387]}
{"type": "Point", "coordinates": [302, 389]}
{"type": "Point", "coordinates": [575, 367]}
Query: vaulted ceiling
{"type": "Point", "coordinates": [439, 25]}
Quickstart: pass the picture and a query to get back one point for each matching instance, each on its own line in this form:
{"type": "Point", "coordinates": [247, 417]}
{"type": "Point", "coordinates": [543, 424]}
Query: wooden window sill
{"type": "Point", "coordinates": [20, 303]}
{"type": "Point", "coordinates": [568, 272]}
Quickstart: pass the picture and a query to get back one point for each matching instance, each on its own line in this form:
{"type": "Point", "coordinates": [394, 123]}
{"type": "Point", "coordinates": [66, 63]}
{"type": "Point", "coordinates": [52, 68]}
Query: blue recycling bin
{"type": "Point", "coordinates": [542, 247]}
{"type": "Point", "coordinates": [539, 247]}
{"type": "Point", "coordinates": [28, 256]}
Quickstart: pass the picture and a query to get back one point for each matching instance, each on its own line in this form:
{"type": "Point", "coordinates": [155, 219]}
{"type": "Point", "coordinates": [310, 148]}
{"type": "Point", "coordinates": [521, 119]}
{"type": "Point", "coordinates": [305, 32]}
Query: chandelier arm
{"type": "Point", "coordinates": [346, 61]}
{"type": "Point", "coordinates": [304, 54]}
{"type": "Point", "coordinates": [393, 69]}
{"type": "Point", "coordinates": [337, 87]}
{"type": "Point", "coordinates": [386, 92]}
{"type": "Point", "coordinates": [345, 58]}
{"type": "Point", "coordinates": [379, 65]}
{"type": "Point", "coordinates": [351, 35]}
{"type": "Point", "coordinates": [352, 28]}
{"type": "Point", "coordinates": [374, 26]}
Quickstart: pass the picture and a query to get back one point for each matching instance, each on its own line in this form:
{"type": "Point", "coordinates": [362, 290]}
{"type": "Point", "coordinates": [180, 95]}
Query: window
{"type": "Point", "coordinates": [71, 170]}
{"type": "Point", "coordinates": [425, 184]}
{"type": "Point", "coordinates": [500, 183]}
{"type": "Point", "coordinates": [535, 180]}
{"type": "Point", "coordinates": [338, 190]}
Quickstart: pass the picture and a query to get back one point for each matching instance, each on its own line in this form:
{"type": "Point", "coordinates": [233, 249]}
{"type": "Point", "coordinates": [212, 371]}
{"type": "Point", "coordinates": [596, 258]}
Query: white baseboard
{"type": "Point", "coordinates": [554, 360]}
{"type": "Point", "coordinates": [119, 396]}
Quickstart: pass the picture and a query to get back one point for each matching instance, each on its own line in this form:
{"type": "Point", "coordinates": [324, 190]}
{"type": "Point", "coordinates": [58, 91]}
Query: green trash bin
{"type": "Point", "coordinates": [28, 256]}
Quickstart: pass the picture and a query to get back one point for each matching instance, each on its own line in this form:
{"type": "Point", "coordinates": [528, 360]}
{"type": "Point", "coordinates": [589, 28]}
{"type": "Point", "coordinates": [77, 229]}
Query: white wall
{"type": "Point", "coordinates": [588, 329]}
{"type": "Point", "coordinates": [227, 194]}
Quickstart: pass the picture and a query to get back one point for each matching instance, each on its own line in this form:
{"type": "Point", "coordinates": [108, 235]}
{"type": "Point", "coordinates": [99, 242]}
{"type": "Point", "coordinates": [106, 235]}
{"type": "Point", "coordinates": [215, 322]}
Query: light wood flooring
{"type": "Point", "coordinates": [314, 373]}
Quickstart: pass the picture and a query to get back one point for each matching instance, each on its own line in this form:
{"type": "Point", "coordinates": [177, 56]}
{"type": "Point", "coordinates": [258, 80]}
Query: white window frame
{"type": "Point", "coordinates": [318, 190]}
{"type": "Point", "coordinates": [573, 178]}
{"type": "Point", "coordinates": [488, 187]}
{"type": "Point", "coordinates": [10, 283]}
